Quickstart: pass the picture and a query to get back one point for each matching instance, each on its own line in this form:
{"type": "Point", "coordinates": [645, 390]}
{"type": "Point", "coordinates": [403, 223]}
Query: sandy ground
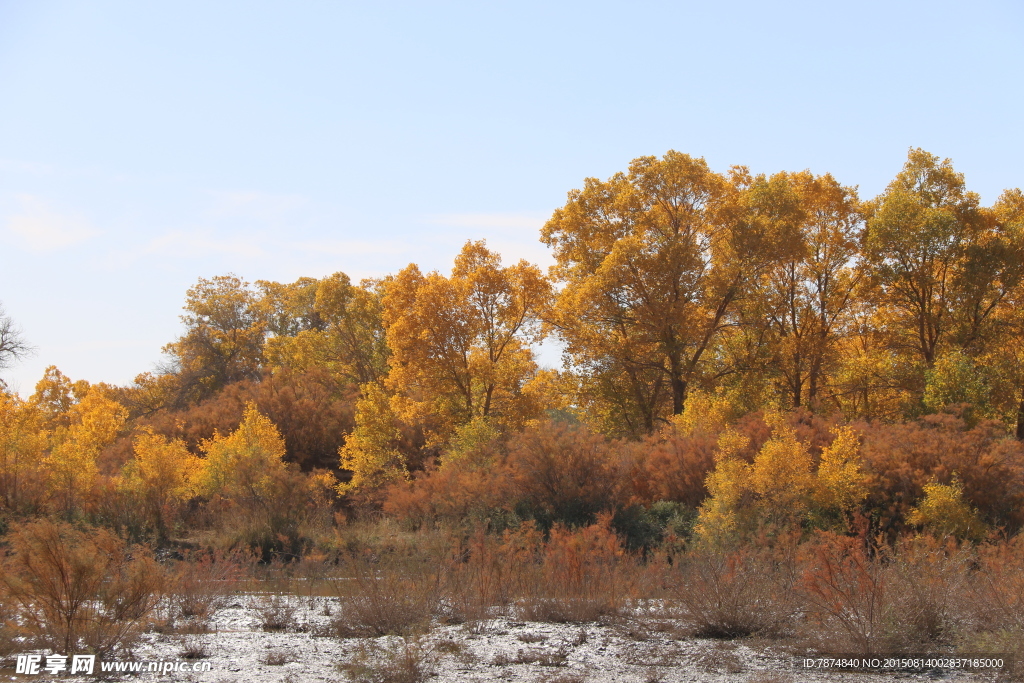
{"type": "Point", "coordinates": [238, 649]}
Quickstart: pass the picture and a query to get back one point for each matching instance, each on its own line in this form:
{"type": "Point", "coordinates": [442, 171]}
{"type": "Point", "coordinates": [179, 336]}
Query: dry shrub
{"type": "Point", "coordinates": [737, 592]}
{"type": "Point", "coordinates": [456, 494]}
{"type": "Point", "coordinates": [387, 594]}
{"type": "Point", "coordinates": [10, 629]}
{"type": "Point", "coordinates": [668, 465]}
{"type": "Point", "coordinates": [275, 613]}
{"type": "Point", "coordinates": [278, 656]}
{"type": "Point", "coordinates": [312, 408]}
{"type": "Point", "coordinates": [542, 656]}
{"type": "Point", "coordinates": [491, 572]}
{"type": "Point", "coordinates": [553, 472]}
{"type": "Point", "coordinates": [580, 576]}
{"type": "Point", "coordinates": [410, 661]}
{"type": "Point", "coordinates": [996, 589]}
{"type": "Point", "coordinates": [562, 473]}
{"type": "Point", "coordinates": [203, 583]}
{"type": "Point", "coordinates": [929, 580]}
{"type": "Point", "coordinates": [847, 597]}
{"type": "Point", "coordinates": [194, 647]}
{"type": "Point", "coordinates": [923, 595]}
{"type": "Point", "coordinates": [79, 590]}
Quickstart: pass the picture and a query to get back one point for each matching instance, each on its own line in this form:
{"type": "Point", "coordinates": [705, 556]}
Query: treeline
{"type": "Point", "coordinates": [741, 352]}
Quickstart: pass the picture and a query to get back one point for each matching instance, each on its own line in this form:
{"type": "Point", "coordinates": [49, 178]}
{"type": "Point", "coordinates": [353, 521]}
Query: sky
{"type": "Point", "coordinates": [146, 145]}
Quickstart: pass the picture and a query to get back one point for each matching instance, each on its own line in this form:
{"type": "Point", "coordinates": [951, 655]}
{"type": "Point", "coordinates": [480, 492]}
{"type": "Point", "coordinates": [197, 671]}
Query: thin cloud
{"type": "Point", "coordinates": [261, 205]}
{"type": "Point", "coordinates": [193, 244]}
{"type": "Point", "coordinates": [346, 247]}
{"type": "Point", "coordinates": [41, 229]}
{"type": "Point", "coordinates": [506, 221]}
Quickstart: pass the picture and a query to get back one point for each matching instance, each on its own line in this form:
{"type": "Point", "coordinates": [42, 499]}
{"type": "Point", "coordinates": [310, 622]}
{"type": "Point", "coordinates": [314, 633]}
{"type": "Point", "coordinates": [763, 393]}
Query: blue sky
{"type": "Point", "coordinates": [145, 145]}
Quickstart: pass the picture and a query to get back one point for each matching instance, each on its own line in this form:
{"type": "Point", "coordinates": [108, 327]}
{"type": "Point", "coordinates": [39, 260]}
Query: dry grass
{"type": "Point", "coordinates": [193, 647]}
{"type": "Point", "coordinates": [278, 656]}
{"type": "Point", "coordinates": [907, 599]}
{"type": "Point", "coordinates": [580, 576]}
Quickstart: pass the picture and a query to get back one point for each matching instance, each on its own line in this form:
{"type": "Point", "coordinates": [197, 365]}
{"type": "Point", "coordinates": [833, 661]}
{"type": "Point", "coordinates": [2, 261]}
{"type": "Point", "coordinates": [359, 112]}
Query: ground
{"type": "Point", "coordinates": [238, 648]}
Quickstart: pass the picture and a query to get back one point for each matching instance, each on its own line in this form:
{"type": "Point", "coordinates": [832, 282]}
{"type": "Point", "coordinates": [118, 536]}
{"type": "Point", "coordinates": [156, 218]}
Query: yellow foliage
{"type": "Point", "coordinates": [727, 484]}
{"type": "Point", "coordinates": [705, 411]}
{"type": "Point", "coordinates": [461, 344]}
{"type": "Point", "coordinates": [944, 511]}
{"type": "Point", "coordinates": [162, 467]}
{"type": "Point", "coordinates": [93, 423]}
{"type": "Point", "coordinates": [781, 476]}
{"type": "Point", "coordinates": [23, 441]}
{"type": "Point", "coordinates": [840, 482]}
{"type": "Point", "coordinates": [245, 463]}
{"type": "Point", "coordinates": [343, 331]}
{"type": "Point", "coordinates": [163, 473]}
{"type": "Point", "coordinates": [369, 451]}
{"type": "Point", "coordinates": [779, 488]}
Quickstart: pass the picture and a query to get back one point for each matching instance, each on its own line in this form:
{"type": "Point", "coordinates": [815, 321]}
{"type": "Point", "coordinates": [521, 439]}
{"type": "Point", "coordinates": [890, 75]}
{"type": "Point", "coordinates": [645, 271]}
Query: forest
{"type": "Point", "coordinates": [759, 371]}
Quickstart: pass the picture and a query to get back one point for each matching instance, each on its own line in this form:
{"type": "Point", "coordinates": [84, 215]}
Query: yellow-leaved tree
{"type": "Point", "coordinates": [781, 476]}
{"type": "Point", "coordinates": [261, 500]}
{"type": "Point", "coordinates": [242, 465]}
{"type": "Point", "coordinates": [780, 489]}
{"type": "Point", "coordinates": [943, 511]}
{"type": "Point", "coordinates": [729, 488]}
{"type": "Point", "coordinates": [804, 299]}
{"type": "Point", "coordinates": [23, 442]}
{"type": "Point", "coordinates": [163, 476]}
{"type": "Point", "coordinates": [371, 450]}
{"type": "Point", "coordinates": [654, 262]}
{"type": "Point", "coordinates": [339, 327]}
{"type": "Point", "coordinates": [841, 484]}
{"type": "Point", "coordinates": [75, 444]}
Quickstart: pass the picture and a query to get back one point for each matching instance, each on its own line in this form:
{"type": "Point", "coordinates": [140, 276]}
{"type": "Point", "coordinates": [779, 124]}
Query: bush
{"type": "Point", "coordinates": [562, 473]}
{"type": "Point", "coordinates": [386, 594]}
{"type": "Point", "coordinates": [581, 576]}
{"type": "Point", "coordinates": [202, 584]}
{"type": "Point", "coordinates": [903, 458]}
{"type": "Point", "coordinates": [733, 593]}
{"type": "Point", "coordinates": [78, 590]}
{"type": "Point", "coordinates": [410, 661]}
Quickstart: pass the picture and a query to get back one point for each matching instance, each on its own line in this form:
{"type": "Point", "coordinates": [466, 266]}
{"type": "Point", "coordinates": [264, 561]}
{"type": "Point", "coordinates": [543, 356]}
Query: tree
{"type": "Point", "coordinates": [13, 346]}
{"type": "Point", "coordinates": [340, 328]}
{"type": "Point", "coordinates": [461, 344]}
{"type": "Point", "coordinates": [23, 442]}
{"type": "Point", "coordinates": [242, 465]}
{"type": "Point", "coordinates": [939, 271]}
{"type": "Point", "coordinates": [371, 451]}
{"type": "Point", "coordinates": [653, 262]}
{"type": "Point", "coordinates": [1004, 354]}
{"type": "Point", "coordinates": [223, 342]}
{"type": "Point", "coordinates": [93, 423]}
{"type": "Point", "coordinates": [805, 299]}
{"type": "Point", "coordinates": [163, 475]}
{"type": "Point", "coordinates": [262, 500]}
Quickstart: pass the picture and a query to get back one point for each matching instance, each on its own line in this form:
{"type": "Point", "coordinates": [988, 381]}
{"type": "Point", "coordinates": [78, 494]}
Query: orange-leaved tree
{"type": "Point", "coordinates": [461, 345]}
{"type": "Point", "coordinates": [654, 262]}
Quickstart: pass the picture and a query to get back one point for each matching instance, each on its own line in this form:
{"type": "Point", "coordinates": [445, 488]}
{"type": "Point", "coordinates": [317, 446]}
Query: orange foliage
{"type": "Point", "coordinates": [902, 458]}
